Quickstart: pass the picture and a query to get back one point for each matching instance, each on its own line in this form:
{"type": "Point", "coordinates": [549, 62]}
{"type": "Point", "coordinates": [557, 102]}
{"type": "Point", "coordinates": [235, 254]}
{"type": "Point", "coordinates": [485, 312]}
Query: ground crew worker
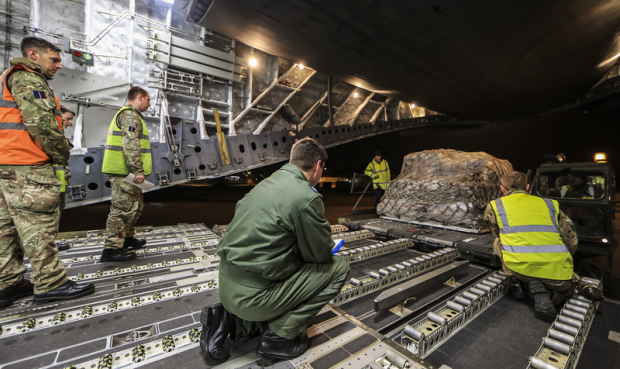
{"type": "Point", "coordinates": [535, 241]}
{"type": "Point", "coordinates": [276, 265]}
{"type": "Point", "coordinates": [127, 150]}
{"type": "Point", "coordinates": [32, 143]}
{"type": "Point", "coordinates": [379, 172]}
{"type": "Point", "coordinates": [62, 171]}
{"type": "Point", "coordinates": [67, 116]}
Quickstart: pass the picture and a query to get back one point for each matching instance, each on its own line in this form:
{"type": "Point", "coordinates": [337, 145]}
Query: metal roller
{"type": "Point", "coordinates": [359, 249]}
{"type": "Point", "coordinates": [436, 318]}
{"type": "Point", "coordinates": [375, 275]}
{"type": "Point", "coordinates": [562, 337]}
{"type": "Point", "coordinates": [581, 303]}
{"type": "Point", "coordinates": [384, 272]}
{"type": "Point", "coordinates": [59, 318]}
{"type": "Point", "coordinates": [407, 264]}
{"type": "Point", "coordinates": [494, 280]}
{"type": "Point", "coordinates": [138, 354]}
{"type": "Point", "coordinates": [413, 333]}
{"type": "Point", "coordinates": [501, 273]}
{"type": "Point", "coordinates": [540, 364]}
{"type": "Point", "coordinates": [573, 314]}
{"type": "Point", "coordinates": [167, 344]}
{"type": "Point", "coordinates": [392, 269]}
{"type": "Point", "coordinates": [355, 282]}
{"type": "Point", "coordinates": [576, 308]}
{"type": "Point", "coordinates": [477, 291]}
{"type": "Point", "coordinates": [462, 300]}
{"type": "Point", "coordinates": [414, 261]}
{"type": "Point", "coordinates": [398, 266]}
{"type": "Point", "coordinates": [373, 247]}
{"type": "Point", "coordinates": [470, 296]}
{"type": "Point", "coordinates": [397, 360]}
{"type": "Point", "coordinates": [499, 276]}
{"type": "Point", "coordinates": [580, 297]}
{"type": "Point", "coordinates": [489, 283]}
{"type": "Point", "coordinates": [486, 285]}
{"type": "Point", "coordinates": [352, 252]}
{"type": "Point", "coordinates": [558, 346]}
{"type": "Point", "coordinates": [426, 257]}
{"type": "Point", "coordinates": [570, 321]}
{"type": "Point", "coordinates": [455, 306]}
{"type": "Point", "coordinates": [566, 328]}
{"type": "Point", "coordinates": [420, 260]}
{"type": "Point", "coordinates": [366, 248]}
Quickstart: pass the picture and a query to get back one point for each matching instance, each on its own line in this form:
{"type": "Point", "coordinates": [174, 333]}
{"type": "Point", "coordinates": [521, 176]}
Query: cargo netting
{"type": "Point", "coordinates": [444, 187]}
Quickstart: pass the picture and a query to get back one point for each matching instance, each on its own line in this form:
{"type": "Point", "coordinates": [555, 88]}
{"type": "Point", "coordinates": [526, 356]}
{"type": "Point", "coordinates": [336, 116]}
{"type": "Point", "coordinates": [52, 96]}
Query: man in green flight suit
{"type": "Point", "coordinates": [32, 143]}
{"type": "Point", "coordinates": [127, 150]}
{"type": "Point", "coordinates": [379, 172]}
{"type": "Point", "coordinates": [276, 265]}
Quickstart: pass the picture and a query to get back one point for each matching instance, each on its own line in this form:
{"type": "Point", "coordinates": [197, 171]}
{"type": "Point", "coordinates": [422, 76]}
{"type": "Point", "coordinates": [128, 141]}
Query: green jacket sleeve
{"type": "Point", "coordinates": [313, 232]}
{"type": "Point", "coordinates": [39, 114]}
{"type": "Point", "coordinates": [130, 124]}
{"type": "Point", "coordinates": [491, 220]}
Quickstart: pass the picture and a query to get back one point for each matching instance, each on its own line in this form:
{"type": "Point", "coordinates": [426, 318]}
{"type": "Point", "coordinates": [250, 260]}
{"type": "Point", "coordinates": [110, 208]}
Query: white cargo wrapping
{"type": "Point", "coordinates": [445, 187]}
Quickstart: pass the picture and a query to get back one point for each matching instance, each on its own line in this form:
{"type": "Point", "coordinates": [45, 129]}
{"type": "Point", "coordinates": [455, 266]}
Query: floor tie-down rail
{"type": "Point", "coordinates": [429, 333]}
{"type": "Point", "coordinates": [565, 339]}
{"type": "Point", "coordinates": [358, 287]}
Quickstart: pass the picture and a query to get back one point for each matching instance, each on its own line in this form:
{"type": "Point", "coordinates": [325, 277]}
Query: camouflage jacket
{"type": "Point", "coordinates": [38, 114]}
{"type": "Point", "coordinates": [131, 125]}
{"type": "Point", "coordinates": [565, 225]}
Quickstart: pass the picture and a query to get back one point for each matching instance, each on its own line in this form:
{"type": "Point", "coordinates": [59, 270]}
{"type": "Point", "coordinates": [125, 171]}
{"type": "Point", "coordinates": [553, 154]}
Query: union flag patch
{"type": "Point", "coordinates": [39, 95]}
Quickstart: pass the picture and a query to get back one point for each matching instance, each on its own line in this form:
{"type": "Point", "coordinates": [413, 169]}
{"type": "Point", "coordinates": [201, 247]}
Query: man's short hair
{"type": "Point", "coordinates": [306, 153]}
{"type": "Point", "coordinates": [514, 180]}
{"type": "Point", "coordinates": [66, 109]}
{"type": "Point", "coordinates": [135, 91]}
{"type": "Point", "coordinates": [38, 44]}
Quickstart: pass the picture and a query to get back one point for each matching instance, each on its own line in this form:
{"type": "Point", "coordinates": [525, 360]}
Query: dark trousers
{"type": "Point", "coordinates": [378, 195]}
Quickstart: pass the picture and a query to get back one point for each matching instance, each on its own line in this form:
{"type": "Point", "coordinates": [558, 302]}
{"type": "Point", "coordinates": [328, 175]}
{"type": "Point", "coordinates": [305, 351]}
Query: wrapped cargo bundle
{"type": "Point", "coordinates": [444, 187]}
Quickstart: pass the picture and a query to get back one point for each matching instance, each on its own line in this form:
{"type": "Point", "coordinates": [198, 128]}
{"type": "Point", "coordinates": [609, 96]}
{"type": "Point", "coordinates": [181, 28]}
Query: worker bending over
{"type": "Point", "coordinates": [536, 242]}
{"type": "Point", "coordinates": [276, 265]}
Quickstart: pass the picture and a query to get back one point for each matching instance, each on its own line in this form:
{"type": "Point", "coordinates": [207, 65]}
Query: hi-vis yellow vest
{"type": "Point", "coordinates": [531, 240]}
{"type": "Point", "coordinates": [114, 157]}
{"type": "Point", "coordinates": [382, 169]}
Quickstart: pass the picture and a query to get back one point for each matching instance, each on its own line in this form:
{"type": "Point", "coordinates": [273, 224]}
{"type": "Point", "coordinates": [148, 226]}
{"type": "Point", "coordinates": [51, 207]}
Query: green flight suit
{"type": "Point", "coordinates": [276, 267]}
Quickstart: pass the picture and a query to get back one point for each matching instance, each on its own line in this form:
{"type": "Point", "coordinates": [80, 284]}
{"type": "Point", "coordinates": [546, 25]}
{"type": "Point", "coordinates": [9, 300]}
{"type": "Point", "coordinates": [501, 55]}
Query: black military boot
{"type": "Point", "coordinates": [272, 347]}
{"type": "Point", "coordinates": [590, 291]}
{"type": "Point", "coordinates": [134, 243]}
{"type": "Point", "coordinates": [116, 255]}
{"type": "Point", "coordinates": [62, 246]}
{"type": "Point", "coordinates": [10, 294]}
{"type": "Point", "coordinates": [516, 289]}
{"type": "Point", "coordinates": [217, 324]}
{"type": "Point", "coordinates": [66, 291]}
{"type": "Point", "coordinates": [543, 306]}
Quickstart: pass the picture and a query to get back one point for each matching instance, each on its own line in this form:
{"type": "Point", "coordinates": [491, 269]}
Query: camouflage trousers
{"type": "Point", "coordinates": [29, 196]}
{"type": "Point", "coordinates": [562, 290]}
{"type": "Point", "coordinates": [126, 208]}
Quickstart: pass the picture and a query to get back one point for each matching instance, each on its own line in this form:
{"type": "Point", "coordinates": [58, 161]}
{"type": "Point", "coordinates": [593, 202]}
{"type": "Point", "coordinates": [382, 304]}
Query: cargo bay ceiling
{"type": "Point", "coordinates": [480, 60]}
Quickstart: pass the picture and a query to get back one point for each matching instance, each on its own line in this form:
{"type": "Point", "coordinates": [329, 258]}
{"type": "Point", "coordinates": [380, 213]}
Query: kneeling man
{"type": "Point", "coordinates": [536, 242]}
{"type": "Point", "coordinates": [276, 267]}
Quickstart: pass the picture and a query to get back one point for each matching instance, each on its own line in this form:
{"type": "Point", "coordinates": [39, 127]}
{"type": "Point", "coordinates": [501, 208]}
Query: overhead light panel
{"type": "Point", "coordinates": [168, 1]}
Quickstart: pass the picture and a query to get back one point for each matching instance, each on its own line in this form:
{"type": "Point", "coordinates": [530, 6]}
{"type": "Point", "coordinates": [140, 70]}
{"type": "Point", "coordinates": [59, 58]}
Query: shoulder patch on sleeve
{"type": "Point", "coordinates": [131, 129]}
{"type": "Point", "coordinates": [313, 189]}
{"type": "Point", "coordinates": [39, 95]}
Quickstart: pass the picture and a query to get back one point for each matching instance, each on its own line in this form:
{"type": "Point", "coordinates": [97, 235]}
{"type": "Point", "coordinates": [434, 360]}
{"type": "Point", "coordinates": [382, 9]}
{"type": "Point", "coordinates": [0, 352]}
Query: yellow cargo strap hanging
{"type": "Point", "coordinates": [221, 139]}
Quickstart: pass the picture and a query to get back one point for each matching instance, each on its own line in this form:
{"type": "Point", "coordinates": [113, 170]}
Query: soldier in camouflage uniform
{"type": "Point", "coordinates": [546, 292]}
{"type": "Point", "coordinates": [67, 121]}
{"type": "Point", "coordinates": [32, 143]}
{"type": "Point", "coordinates": [127, 202]}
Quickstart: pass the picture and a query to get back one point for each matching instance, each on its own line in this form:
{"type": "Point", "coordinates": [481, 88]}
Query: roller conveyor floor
{"type": "Point", "coordinates": [147, 314]}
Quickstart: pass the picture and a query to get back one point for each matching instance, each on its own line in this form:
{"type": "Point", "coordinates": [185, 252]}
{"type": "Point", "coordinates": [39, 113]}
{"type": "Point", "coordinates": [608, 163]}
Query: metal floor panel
{"type": "Point", "coordinates": [600, 351]}
{"type": "Point", "coordinates": [503, 336]}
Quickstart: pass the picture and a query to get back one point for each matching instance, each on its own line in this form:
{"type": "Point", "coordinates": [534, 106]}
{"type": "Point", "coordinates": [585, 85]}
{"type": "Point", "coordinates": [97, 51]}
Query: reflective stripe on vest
{"type": "Point", "coordinates": [18, 146]}
{"type": "Point", "coordinates": [114, 156]}
{"type": "Point", "coordinates": [60, 174]}
{"type": "Point", "coordinates": [530, 237]}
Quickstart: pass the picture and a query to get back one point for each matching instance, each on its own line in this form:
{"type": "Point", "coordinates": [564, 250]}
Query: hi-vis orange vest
{"type": "Point", "coordinates": [18, 146]}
